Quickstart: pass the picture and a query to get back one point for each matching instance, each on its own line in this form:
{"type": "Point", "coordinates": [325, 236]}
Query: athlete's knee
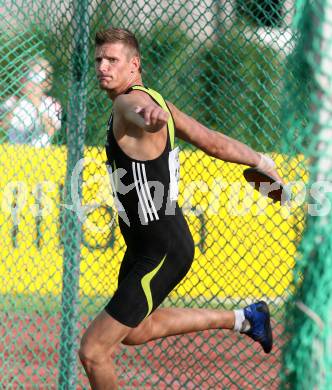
{"type": "Point", "coordinates": [92, 353]}
{"type": "Point", "coordinates": [141, 334]}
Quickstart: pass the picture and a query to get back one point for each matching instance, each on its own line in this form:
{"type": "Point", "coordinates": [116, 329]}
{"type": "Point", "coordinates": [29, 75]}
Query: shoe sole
{"type": "Point", "coordinates": [267, 326]}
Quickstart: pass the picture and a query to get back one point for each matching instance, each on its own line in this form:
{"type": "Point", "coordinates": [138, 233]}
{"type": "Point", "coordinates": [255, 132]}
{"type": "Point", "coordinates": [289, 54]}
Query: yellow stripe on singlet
{"type": "Point", "coordinates": [145, 282]}
{"type": "Point", "coordinates": [161, 101]}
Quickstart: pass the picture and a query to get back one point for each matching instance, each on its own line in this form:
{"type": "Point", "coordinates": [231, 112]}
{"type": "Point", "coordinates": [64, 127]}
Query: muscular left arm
{"type": "Point", "coordinates": [213, 143]}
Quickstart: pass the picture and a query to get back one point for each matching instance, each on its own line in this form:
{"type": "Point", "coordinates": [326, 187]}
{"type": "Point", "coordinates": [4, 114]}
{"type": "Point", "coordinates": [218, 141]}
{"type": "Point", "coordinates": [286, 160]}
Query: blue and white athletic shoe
{"type": "Point", "coordinates": [258, 316]}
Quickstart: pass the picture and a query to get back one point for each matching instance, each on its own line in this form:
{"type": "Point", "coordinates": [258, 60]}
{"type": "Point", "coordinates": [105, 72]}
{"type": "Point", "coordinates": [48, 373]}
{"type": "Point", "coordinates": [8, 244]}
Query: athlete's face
{"type": "Point", "coordinates": [116, 66]}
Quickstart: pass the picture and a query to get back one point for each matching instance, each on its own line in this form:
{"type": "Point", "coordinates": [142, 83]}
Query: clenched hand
{"type": "Point", "coordinates": [154, 116]}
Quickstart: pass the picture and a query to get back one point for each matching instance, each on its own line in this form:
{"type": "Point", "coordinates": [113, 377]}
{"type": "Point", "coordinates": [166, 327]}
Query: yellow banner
{"type": "Point", "coordinates": [245, 245]}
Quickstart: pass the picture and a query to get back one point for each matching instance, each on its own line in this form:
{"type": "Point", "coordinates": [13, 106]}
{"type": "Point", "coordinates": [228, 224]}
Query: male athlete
{"type": "Point", "coordinates": [143, 167]}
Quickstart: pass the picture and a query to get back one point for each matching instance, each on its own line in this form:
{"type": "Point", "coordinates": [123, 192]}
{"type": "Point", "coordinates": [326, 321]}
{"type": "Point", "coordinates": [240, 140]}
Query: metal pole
{"type": "Point", "coordinates": [72, 224]}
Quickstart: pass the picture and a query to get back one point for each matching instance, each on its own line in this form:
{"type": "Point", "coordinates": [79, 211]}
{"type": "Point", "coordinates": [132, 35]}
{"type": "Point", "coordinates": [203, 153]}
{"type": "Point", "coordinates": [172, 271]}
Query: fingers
{"type": "Point", "coordinates": [153, 115]}
{"type": "Point", "coordinates": [267, 165]}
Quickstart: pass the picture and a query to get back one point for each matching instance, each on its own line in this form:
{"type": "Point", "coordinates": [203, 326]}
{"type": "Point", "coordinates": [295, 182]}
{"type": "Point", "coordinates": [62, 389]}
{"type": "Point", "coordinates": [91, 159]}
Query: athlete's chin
{"type": "Point", "coordinates": [106, 86]}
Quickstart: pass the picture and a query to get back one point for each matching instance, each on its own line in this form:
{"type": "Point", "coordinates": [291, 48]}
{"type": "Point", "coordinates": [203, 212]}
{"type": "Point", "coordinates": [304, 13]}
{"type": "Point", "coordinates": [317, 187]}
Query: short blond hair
{"type": "Point", "coordinates": [119, 35]}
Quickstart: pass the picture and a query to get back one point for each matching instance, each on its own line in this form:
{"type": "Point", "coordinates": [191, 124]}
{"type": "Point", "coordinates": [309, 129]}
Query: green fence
{"type": "Point", "coordinates": [307, 356]}
{"type": "Point", "coordinates": [245, 68]}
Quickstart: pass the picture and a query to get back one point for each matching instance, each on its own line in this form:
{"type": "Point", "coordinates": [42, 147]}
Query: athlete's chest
{"type": "Point", "coordinates": [138, 144]}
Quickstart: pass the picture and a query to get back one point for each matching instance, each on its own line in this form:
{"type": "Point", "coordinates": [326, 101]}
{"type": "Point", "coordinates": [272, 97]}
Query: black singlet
{"type": "Point", "coordinates": [160, 248]}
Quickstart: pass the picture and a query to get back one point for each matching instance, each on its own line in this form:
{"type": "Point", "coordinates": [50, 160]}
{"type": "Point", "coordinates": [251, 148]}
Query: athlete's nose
{"type": "Point", "coordinates": [103, 66]}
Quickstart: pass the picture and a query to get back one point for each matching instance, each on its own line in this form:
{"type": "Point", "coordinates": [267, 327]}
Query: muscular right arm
{"type": "Point", "coordinates": [140, 111]}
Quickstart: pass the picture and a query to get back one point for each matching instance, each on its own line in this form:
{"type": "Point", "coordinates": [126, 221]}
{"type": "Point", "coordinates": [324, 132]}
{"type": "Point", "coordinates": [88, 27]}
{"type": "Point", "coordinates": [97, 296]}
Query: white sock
{"type": "Point", "coordinates": [241, 324]}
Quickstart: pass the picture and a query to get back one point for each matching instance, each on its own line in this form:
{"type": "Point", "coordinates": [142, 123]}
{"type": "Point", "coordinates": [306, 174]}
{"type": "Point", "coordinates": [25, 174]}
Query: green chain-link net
{"type": "Point", "coordinates": [227, 63]}
{"type": "Point", "coordinates": [307, 356]}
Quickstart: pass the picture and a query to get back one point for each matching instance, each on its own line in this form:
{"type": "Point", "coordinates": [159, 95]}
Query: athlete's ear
{"type": "Point", "coordinates": [135, 64]}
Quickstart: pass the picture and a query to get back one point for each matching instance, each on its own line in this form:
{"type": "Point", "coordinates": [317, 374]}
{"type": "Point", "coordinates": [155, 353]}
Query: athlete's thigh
{"type": "Point", "coordinates": [126, 266]}
{"type": "Point", "coordinates": [131, 301]}
{"type": "Point", "coordinates": [151, 271]}
{"type": "Point", "coordinates": [148, 283]}
{"type": "Point", "coordinates": [176, 265]}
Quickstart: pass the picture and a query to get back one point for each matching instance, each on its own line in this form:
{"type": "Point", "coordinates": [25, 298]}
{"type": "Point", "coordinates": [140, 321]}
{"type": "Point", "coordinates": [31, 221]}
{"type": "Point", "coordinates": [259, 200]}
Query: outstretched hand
{"type": "Point", "coordinates": [154, 116]}
{"type": "Point", "coordinates": [268, 166]}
